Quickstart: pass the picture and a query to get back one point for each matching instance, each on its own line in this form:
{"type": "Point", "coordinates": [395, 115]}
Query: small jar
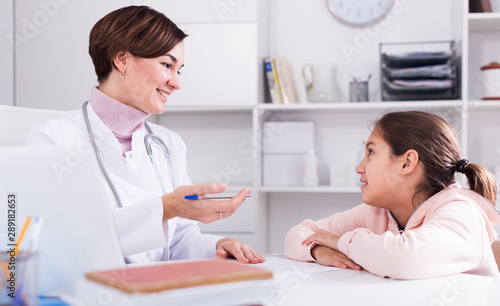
{"type": "Point", "coordinates": [491, 81]}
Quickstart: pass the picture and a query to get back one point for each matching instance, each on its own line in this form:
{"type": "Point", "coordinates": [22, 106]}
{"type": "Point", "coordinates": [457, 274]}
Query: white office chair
{"type": "Point", "coordinates": [16, 122]}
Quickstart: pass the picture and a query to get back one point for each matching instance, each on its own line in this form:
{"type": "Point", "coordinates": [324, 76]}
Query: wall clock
{"type": "Point", "coordinates": [359, 12]}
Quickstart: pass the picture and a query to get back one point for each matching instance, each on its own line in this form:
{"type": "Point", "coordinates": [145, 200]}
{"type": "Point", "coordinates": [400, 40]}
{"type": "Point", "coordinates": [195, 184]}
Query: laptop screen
{"type": "Point", "coordinates": [78, 233]}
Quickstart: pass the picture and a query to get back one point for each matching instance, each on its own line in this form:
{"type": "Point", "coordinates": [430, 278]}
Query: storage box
{"type": "Point", "coordinates": [283, 169]}
{"type": "Point", "coordinates": [284, 147]}
{"type": "Point", "coordinates": [287, 137]}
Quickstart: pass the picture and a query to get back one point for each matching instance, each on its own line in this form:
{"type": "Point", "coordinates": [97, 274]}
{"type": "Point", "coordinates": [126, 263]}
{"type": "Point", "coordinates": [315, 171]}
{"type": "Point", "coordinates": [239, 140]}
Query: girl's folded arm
{"type": "Point", "coordinates": [336, 224]}
{"type": "Point", "coordinates": [449, 242]}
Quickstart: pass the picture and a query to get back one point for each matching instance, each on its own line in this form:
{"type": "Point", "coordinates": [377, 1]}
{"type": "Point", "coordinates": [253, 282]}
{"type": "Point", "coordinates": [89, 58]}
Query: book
{"type": "Point", "coordinates": [285, 81]}
{"type": "Point", "coordinates": [272, 80]}
{"type": "Point", "coordinates": [480, 6]}
{"type": "Point", "coordinates": [176, 275]}
{"type": "Point", "coordinates": [276, 79]}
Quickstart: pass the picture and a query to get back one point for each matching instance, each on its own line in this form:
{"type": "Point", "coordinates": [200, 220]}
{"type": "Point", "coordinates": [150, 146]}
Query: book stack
{"type": "Point", "coordinates": [280, 84]}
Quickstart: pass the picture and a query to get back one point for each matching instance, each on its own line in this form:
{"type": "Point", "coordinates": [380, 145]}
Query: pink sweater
{"type": "Point", "coordinates": [121, 119]}
{"type": "Point", "coordinates": [449, 233]}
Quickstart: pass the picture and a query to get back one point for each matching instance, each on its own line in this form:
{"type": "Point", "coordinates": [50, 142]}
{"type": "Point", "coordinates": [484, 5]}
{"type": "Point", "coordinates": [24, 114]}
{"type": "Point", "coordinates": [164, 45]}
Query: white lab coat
{"type": "Point", "coordinates": [143, 235]}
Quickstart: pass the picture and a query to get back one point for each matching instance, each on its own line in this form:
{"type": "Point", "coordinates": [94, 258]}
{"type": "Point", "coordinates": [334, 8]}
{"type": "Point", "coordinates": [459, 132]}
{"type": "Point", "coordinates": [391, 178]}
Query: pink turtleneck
{"type": "Point", "coordinates": [121, 119]}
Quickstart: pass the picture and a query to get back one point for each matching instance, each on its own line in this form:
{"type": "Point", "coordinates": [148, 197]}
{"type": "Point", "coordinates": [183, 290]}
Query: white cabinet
{"type": "Point", "coordinates": [203, 11]}
{"type": "Point", "coordinates": [220, 65]}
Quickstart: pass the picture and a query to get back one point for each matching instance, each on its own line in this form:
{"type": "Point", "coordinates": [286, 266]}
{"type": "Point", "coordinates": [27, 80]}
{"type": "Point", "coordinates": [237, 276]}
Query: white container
{"type": "Point", "coordinates": [311, 178]}
{"type": "Point", "coordinates": [491, 81]}
{"type": "Point", "coordinates": [338, 174]}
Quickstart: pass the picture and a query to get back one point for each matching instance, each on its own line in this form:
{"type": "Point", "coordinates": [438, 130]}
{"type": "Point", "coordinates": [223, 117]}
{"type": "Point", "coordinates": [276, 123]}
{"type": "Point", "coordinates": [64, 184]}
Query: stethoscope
{"type": "Point", "coordinates": [149, 140]}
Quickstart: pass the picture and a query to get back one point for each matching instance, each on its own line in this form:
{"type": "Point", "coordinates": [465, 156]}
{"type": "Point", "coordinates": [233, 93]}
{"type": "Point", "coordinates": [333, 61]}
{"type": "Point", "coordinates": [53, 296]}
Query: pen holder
{"type": "Point", "coordinates": [358, 91]}
{"type": "Point", "coordinates": [18, 278]}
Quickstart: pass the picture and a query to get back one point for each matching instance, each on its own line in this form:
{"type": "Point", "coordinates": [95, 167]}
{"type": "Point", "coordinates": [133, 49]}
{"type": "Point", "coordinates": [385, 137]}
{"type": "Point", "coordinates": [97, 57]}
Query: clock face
{"type": "Point", "coordinates": [359, 12]}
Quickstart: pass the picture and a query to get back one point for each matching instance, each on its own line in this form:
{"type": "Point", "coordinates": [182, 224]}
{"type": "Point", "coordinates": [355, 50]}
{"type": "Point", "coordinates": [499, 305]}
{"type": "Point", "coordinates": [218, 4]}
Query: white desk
{"type": "Point", "coordinates": [297, 283]}
{"type": "Point", "coordinates": [302, 284]}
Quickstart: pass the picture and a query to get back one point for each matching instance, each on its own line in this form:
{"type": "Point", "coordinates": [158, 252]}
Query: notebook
{"type": "Point", "coordinates": [177, 275]}
{"type": "Point", "coordinates": [78, 234]}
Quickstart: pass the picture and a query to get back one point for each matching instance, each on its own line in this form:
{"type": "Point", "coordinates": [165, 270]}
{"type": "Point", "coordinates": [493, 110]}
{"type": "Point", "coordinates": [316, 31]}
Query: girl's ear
{"type": "Point", "coordinates": [120, 60]}
{"type": "Point", "coordinates": [409, 161]}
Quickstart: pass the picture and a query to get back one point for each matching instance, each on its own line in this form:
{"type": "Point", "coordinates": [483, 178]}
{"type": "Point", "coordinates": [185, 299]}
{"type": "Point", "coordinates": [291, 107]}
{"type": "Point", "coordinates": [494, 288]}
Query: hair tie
{"type": "Point", "coordinates": [461, 165]}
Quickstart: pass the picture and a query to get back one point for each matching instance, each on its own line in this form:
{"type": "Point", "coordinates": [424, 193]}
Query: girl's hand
{"type": "Point", "coordinates": [323, 237]}
{"type": "Point", "coordinates": [227, 247]}
{"type": "Point", "coordinates": [328, 257]}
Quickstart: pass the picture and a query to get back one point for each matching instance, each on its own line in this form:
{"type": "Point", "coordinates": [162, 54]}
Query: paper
{"type": "Point", "coordinates": [279, 263]}
{"type": "Point", "coordinates": [424, 83]}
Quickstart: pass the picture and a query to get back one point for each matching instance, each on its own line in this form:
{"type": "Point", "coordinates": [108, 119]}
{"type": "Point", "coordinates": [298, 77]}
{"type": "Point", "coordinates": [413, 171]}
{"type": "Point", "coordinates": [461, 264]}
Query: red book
{"type": "Point", "coordinates": [167, 276]}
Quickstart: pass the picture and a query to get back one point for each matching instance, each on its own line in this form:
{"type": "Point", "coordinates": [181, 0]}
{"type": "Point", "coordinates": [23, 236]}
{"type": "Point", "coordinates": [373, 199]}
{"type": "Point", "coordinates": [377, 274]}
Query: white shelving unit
{"type": "Point", "coordinates": [465, 114]}
{"type": "Point", "coordinates": [483, 125]}
{"type": "Point", "coordinates": [484, 22]}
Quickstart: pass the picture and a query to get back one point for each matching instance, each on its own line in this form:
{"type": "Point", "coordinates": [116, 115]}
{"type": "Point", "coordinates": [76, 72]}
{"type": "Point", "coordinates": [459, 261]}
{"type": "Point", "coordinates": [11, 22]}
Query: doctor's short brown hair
{"type": "Point", "coordinates": [141, 30]}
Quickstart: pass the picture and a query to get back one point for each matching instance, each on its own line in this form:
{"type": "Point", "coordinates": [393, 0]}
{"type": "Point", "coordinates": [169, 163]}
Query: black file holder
{"type": "Point", "coordinates": [419, 71]}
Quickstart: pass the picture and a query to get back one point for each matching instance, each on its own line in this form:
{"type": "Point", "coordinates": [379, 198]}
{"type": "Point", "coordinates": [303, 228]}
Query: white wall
{"type": "Point", "coordinates": [53, 68]}
{"type": "Point", "coordinates": [6, 52]}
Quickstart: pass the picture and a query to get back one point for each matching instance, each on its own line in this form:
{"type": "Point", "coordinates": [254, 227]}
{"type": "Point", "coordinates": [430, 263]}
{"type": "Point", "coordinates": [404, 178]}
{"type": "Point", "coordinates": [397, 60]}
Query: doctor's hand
{"type": "Point", "coordinates": [205, 211]}
{"type": "Point", "coordinates": [230, 248]}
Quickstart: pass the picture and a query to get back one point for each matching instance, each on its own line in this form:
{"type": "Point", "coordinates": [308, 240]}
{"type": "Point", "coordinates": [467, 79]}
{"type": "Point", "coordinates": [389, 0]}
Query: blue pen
{"type": "Point", "coordinates": [199, 197]}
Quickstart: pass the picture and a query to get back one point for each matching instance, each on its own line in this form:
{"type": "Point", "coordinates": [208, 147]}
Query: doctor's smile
{"type": "Point", "coordinates": [163, 94]}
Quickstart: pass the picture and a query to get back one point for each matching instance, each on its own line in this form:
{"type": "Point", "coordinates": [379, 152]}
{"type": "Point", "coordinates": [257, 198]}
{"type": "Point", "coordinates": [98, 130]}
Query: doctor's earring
{"type": "Point", "coordinates": [123, 73]}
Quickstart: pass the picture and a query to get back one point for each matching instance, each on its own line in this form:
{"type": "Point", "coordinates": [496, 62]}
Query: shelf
{"type": "Point", "coordinates": [315, 106]}
{"type": "Point", "coordinates": [364, 106]}
{"type": "Point", "coordinates": [479, 22]}
{"type": "Point", "coordinates": [208, 108]}
{"type": "Point", "coordinates": [301, 189]}
{"type": "Point", "coordinates": [482, 105]}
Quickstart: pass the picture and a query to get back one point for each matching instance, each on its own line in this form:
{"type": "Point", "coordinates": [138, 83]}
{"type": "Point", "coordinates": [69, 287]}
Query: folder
{"type": "Point", "coordinates": [176, 275]}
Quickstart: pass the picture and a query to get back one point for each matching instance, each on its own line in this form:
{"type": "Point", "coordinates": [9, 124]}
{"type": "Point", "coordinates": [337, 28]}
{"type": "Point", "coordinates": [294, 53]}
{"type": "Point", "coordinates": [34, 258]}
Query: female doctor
{"type": "Point", "coordinates": [138, 54]}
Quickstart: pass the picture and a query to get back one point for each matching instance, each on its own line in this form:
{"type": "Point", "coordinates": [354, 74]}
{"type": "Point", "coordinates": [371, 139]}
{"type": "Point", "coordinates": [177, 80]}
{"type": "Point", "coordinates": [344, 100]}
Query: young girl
{"type": "Point", "coordinates": [416, 221]}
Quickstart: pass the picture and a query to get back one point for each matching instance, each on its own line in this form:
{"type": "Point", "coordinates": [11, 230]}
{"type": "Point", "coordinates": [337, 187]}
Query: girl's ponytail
{"type": "Point", "coordinates": [480, 180]}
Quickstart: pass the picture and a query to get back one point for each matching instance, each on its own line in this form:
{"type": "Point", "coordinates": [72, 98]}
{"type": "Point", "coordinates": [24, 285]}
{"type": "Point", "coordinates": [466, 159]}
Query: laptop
{"type": "Point", "coordinates": [77, 233]}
